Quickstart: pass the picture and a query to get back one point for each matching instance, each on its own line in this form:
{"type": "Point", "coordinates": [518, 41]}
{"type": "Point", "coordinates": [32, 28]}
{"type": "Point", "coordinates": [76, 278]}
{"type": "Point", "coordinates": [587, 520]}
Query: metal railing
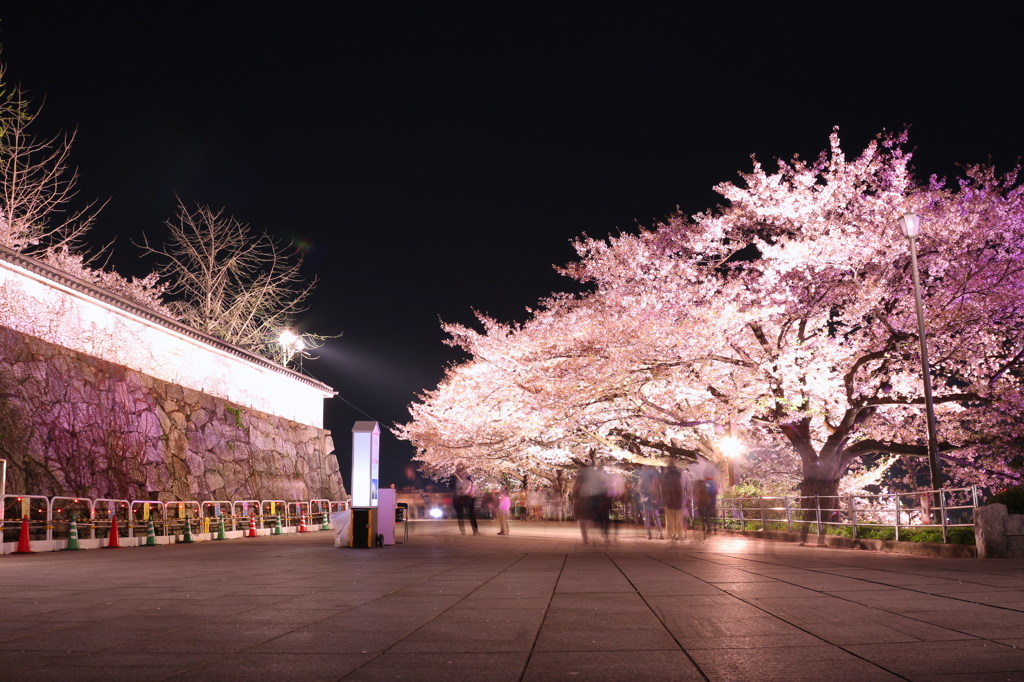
{"type": "Point", "coordinates": [863, 515]}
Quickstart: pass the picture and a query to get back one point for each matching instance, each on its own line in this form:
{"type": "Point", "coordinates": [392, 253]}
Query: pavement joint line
{"type": "Point", "coordinates": [439, 613]}
{"type": "Point", "coordinates": [776, 616]}
{"type": "Point", "coordinates": [686, 653]}
{"type": "Point", "coordinates": [547, 611]}
{"type": "Point", "coordinates": [875, 582]}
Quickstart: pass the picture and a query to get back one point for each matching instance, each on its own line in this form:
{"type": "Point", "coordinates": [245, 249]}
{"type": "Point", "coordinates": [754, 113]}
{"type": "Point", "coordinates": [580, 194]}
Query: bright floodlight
{"type": "Point", "coordinates": [911, 225]}
{"type": "Point", "coordinates": [435, 513]}
{"type": "Point", "coordinates": [730, 447]}
{"type": "Point", "coordinates": [287, 338]}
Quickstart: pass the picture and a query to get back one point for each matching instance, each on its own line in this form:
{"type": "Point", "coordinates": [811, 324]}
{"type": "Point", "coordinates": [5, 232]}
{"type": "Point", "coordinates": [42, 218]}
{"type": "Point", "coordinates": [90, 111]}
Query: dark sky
{"type": "Point", "coordinates": [441, 159]}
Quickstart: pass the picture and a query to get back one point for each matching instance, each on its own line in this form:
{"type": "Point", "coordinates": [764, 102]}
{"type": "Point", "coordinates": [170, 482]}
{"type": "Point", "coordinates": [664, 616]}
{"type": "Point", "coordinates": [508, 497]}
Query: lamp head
{"type": "Point", "coordinates": [911, 225]}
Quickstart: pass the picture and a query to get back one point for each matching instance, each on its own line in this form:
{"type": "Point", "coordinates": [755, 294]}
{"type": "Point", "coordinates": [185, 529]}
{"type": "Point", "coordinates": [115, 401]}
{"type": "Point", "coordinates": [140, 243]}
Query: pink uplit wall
{"type": "Point", "coordinates": [53, 307]}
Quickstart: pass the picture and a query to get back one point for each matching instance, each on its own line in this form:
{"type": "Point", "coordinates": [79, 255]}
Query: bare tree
{"type": "Point", "coordinates": [36, 181]}
{"type": "Point", "coordinates": [229, 281]}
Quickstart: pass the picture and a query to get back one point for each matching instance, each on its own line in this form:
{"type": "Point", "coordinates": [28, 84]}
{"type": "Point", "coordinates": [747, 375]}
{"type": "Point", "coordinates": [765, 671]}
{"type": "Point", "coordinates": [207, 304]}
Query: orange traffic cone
{"type": "Point", "coordinates": [24, 544]}
{"type": "Point", "coordinates": [252, 526]}
{"type": "Point", "coordinates": [302, 524]}
{"type": "Point", "coordinates": [115, 537]}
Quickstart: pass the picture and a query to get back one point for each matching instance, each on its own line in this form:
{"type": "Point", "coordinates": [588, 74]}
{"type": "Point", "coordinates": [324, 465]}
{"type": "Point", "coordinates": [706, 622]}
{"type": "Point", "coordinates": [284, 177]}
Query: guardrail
{"type": "Point", "coordinates": [898, 511]}
{"type": "Point", "coordinates": [50, 518]}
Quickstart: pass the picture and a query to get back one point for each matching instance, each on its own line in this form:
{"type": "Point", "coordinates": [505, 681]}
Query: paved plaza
{"type": "Point", "coordinates": [537, 605]}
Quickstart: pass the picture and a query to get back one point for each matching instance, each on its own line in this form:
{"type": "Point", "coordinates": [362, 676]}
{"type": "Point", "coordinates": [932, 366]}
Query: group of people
{"type": "Point", "coordinates": [672, 488]}
{"type": "Point", "coordinates": [464, 502]}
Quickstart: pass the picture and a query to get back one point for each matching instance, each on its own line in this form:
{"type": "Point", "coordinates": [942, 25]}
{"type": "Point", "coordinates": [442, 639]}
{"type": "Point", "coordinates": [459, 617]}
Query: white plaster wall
{"type": "Point", "coordinates": [33, 304]}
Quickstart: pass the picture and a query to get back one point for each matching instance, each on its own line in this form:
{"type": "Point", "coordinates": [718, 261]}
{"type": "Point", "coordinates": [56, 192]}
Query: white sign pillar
{"type": "Point", "coordinates": [365, 463]}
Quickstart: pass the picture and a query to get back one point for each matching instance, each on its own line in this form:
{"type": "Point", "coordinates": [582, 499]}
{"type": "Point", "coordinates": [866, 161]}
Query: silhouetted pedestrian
{"type": "Point", "coordinates": [504, 507]}
{"type": "Point", "coordinates": [464, 501]}
{"type": "Point", "coordinates": [672, 493]}
{"type": "Point", "coordinates": [650, 499]}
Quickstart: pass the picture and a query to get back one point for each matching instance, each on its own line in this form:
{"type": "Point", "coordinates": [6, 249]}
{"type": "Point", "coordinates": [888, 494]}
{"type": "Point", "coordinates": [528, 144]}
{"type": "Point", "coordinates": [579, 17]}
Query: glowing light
{"type": "Point", "coordinates": [911, 225]}
{"type": "Point", "coordinates": [436, 513]}
{"type": "Point", "coordinates": [730, 447]}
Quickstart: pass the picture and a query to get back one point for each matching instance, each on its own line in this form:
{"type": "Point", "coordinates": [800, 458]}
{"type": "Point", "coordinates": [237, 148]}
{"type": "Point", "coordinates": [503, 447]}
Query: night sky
{"type": "Point", "coordinates": [439, 160]}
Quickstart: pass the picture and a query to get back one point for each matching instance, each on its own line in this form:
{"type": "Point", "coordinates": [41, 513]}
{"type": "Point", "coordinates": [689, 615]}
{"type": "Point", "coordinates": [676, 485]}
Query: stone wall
{"type": "Point", "coordinates": [71, 424]}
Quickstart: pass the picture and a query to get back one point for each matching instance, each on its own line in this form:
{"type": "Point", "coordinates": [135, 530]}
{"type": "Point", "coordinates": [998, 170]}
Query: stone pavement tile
{"type": "Point", "coordinates": [969, 617]}
{"type": "Point", "coordinates": [802, 610]}
{"type": "Point", "coordinates": [688, 628]}
{"type": "Point", "coordinates": [918, 659]}
{"type": "Point", "coordinates": [474, 601]}
{"type": "Point", "coordinates": [77, 639]}
{"type": "Point", "coordinates": [885, 628]}
{"type": "Point", "coordinates": [795, 664]}
{"type": "Point", "coordinates": [14, 662]}
{"type": "Point", "coordinates": [625, 638]}
{"type": "Point", "coordinates": [246, 600]}
{"type": "Point", "coordinates": [970, 677]}
{"type": "Point", "coordinates": [713, 606]}
{"type": "Point", "coordinates": [449, 667]}
{"type": "Point", "coordinates": [63, 673]}
{"type": "Point", "coordinates": [606, 602]}
{"type": "Point", "coordinates": [396, 604]}
{"type": "Point", "coordinates": [467, 615]}
{"type": "Point", "coordinates": [323, 640]}
{"type": "Point", "coordinates": [214, 637]}
{"type": "Point", "coordinates": [444, 635]}
{"type": "Point", "coordinates": [347, 623]}
{"type": "Point", "coordinates": [256, 667]}
{"type": "Point", "coordinates": [762, 590]}
{"type": "Point", "coordinates": [690, 642]}
{"type": "Point", "coordinates": [614, 666]}
{"type": "Point", "coordinates": [460, 588]}
{"type": "Point", "coordinates": [283, 613]}
{"type": "Point", "coordinates": [189, 608]}
{"type": "Point", "coordinates": [16, 629]}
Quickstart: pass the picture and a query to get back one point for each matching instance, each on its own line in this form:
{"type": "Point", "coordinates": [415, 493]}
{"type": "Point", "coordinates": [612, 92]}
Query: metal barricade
{"type": "Point", "coordinates": [142, 511]}
{"type": "Point", "coordinates": [295, 512]}
{"type": "Point", "coordinates": [215, 511]}
{"type": "Point", "coordinates": [181, 512]}
{"type": "Point", "coordinates": [273, 508]}
{"type": "Point", "coordinates": [320, 510]}
{"type": "Point", "coordinates": [36, 508]}
{"type": "Point", "coordinates": [104, 511]}
{"type": "Point", "coordinates": [64, 509]}
{"type": "Point", "coordinates": [241, 510]}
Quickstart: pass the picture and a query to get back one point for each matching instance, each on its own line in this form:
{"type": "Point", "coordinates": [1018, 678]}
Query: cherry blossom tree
{"type": "Point", "coordinates": [788, 311]}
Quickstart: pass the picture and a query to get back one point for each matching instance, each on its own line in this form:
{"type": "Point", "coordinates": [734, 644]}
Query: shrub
{"type": "Point", "coordinates": [1013, 498]}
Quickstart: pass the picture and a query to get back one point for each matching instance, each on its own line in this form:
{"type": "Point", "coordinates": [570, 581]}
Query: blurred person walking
{"type": "Point", "coordinates": [464, 501]}
{"type": "Point", "coordinates": [650, 499]}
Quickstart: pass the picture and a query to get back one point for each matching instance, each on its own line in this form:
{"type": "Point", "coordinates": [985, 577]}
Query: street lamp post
{"type": "Point", "coordinates": [291, 344]}
{"type": "Point", "coordinates": [910, 224]}
{"type": "Point", "coordinates": [730, 447]}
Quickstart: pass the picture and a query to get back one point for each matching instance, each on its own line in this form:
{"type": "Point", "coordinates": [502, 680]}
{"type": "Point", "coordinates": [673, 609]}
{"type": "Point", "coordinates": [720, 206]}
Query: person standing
{"type": "Point", "coordinates": [672, 493]}
{"type": "Point", "coordinates": [464, 501]}
{"type": "Point", "coordinates": [650, 499]}
{"type": "Point", "coordinates": [504, 507]}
